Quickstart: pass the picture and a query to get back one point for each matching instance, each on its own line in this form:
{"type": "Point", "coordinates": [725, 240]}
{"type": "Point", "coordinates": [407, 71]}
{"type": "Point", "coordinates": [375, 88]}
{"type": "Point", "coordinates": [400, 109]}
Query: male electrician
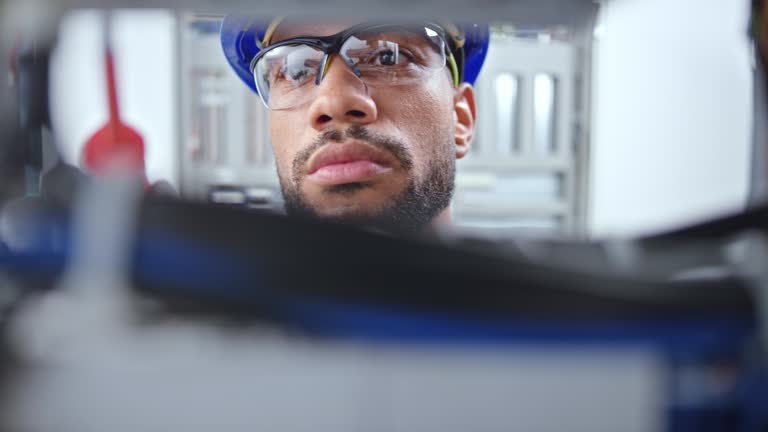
{"type": "Point", "coordinates": [367, 119]}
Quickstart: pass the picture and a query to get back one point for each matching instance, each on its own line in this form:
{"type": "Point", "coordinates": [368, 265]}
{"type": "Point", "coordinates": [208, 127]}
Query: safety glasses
{"type": "Point", "coordinates": [288, 73]}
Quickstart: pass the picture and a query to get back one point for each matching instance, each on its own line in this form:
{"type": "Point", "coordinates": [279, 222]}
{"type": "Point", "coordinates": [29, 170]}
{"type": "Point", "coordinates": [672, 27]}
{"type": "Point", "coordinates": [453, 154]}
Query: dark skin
{"type": "Point", "coordinates": [427, 121]}
{"type": "Point", "coordinates": [760, 12]}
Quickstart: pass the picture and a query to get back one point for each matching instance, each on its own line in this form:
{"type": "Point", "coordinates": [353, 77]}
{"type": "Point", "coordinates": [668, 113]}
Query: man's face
{"type": "Point", "coordinates": [382, 156]}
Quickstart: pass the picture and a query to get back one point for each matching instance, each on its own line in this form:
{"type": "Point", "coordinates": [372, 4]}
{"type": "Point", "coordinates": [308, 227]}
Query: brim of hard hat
{"type": "Point", "coordinates": [241, 37]}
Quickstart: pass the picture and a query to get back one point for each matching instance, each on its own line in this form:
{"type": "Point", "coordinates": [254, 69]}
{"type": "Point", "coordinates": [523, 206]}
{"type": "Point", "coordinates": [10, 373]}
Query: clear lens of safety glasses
{"type": "Point", "coordinates": [287, 74]}
{"type": "Point", "coordinates": [394, 57]}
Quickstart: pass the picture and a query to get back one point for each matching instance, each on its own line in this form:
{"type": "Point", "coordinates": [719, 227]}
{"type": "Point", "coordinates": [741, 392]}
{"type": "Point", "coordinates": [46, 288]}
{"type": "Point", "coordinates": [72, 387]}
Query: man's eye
{"type": "Point", "coordinates": [293, 75]}
{"type": "Point", "coordinates": [298, 74]}
{"type": "Point", "coordinates": [387, 58]}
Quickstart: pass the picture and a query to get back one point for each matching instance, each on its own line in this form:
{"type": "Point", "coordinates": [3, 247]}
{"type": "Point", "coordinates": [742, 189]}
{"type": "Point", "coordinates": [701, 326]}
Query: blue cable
{"type": "Point", "coordinates": [170, 261]}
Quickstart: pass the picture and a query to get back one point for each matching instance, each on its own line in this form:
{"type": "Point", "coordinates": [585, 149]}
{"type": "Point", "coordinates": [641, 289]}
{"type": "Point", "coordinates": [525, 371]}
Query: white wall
{"type": "Point", "coordinates": [145, 55]}
{"type": "Point", "coordinates": [672, 113]}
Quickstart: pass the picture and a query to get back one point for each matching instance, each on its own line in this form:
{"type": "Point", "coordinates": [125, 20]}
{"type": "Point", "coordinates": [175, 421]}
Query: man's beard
{"type": "Point", "coordinates": [408, 212]}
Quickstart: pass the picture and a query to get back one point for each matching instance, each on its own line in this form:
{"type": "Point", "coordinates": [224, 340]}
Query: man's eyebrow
{"type": "Point", "coordinates": [286, 31]}
{"type": "Point", "coordinates": [296, 29]}
{"type": "Point", "coordinates": [279, 38]}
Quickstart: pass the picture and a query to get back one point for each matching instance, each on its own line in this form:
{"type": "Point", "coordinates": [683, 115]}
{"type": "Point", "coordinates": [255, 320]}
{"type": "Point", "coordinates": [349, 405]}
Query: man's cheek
{"type": "Point", "coordinates": [284, 170]}
{"type": "Point", "coordinates": [282, 164]}
{"type": "Point", "coordinates": [282, 134]}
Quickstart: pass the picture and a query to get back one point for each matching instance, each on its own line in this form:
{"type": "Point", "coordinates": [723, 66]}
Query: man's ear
{"type": "Point", "coordinates": [464, 118]}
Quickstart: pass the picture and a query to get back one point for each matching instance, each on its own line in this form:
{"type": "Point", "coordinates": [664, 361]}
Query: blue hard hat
{"type": "Point", "coordinates": [241, 37]}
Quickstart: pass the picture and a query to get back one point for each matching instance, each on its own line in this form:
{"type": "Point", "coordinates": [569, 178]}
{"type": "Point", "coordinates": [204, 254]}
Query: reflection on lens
{"type": "Point", "coordinates": [285, 75]}
{"type": "Point", "coordinates": [394, 57]}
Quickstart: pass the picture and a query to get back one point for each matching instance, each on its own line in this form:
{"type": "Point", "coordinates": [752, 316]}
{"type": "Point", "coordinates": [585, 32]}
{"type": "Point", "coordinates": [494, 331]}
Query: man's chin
{"type": "Point", "coordinates": [388, 206]}
{"type": "Point", "coordinates": [368, 214]}
{"type": "Point", "coordinates": [351, 212]}
{"type": "Point", "coordinates": [360, 198]}
{"type": "Point", "coordinates": [346, 189]}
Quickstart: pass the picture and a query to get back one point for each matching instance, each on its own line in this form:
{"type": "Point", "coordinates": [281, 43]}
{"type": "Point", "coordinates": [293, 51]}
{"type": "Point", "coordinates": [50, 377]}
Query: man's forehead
{"type": "Point", "coordinates": [293, 28]}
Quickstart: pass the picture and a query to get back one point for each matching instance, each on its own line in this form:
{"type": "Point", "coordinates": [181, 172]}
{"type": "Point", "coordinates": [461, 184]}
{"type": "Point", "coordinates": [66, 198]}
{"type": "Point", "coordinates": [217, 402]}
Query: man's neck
{"type": "Point", "coordinates": [442, 220]}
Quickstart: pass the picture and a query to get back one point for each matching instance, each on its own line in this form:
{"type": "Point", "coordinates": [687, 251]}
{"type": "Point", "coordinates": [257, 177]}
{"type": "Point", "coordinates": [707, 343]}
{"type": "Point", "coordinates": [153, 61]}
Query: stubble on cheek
{"type": "Point", "coordinates": [286, 139]}
{"type": "Point", "coordinates": [427, 116]}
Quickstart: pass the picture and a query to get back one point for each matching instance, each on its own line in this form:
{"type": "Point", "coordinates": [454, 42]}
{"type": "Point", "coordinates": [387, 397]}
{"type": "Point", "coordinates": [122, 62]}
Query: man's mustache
{"type": "Point", "coordinates": [359, 133]}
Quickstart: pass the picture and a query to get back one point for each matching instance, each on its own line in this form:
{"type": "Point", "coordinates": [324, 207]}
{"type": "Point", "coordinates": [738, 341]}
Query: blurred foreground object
{"type": "Point", "coordinates": [375, 332]}
{"type": "Point", "coordinates": [115, 142]}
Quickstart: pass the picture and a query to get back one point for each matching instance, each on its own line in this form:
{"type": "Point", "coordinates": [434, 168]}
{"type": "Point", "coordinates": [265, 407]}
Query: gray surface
{"type": "Point", "coordinates": [94, 371]}
{"type": "Point", "coordinates": [519, 12]}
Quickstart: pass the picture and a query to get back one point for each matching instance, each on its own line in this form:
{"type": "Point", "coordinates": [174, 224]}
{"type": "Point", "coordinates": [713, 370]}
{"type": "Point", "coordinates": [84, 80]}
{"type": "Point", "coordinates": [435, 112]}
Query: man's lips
{"type": "Point", "coordinates": [355, 162]}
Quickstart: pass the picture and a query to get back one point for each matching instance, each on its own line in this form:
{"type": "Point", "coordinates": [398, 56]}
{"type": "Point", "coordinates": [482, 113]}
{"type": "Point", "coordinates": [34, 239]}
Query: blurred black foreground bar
{"type": "Point", "coordinates": [238, 319]}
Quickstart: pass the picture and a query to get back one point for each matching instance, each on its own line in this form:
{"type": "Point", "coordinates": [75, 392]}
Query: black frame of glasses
{"type": "Point", "coordinates": [333, 43]}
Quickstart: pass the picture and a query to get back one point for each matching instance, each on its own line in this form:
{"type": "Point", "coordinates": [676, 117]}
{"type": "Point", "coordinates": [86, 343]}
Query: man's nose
{"type": "Point", "coordinates": [342, 99]}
